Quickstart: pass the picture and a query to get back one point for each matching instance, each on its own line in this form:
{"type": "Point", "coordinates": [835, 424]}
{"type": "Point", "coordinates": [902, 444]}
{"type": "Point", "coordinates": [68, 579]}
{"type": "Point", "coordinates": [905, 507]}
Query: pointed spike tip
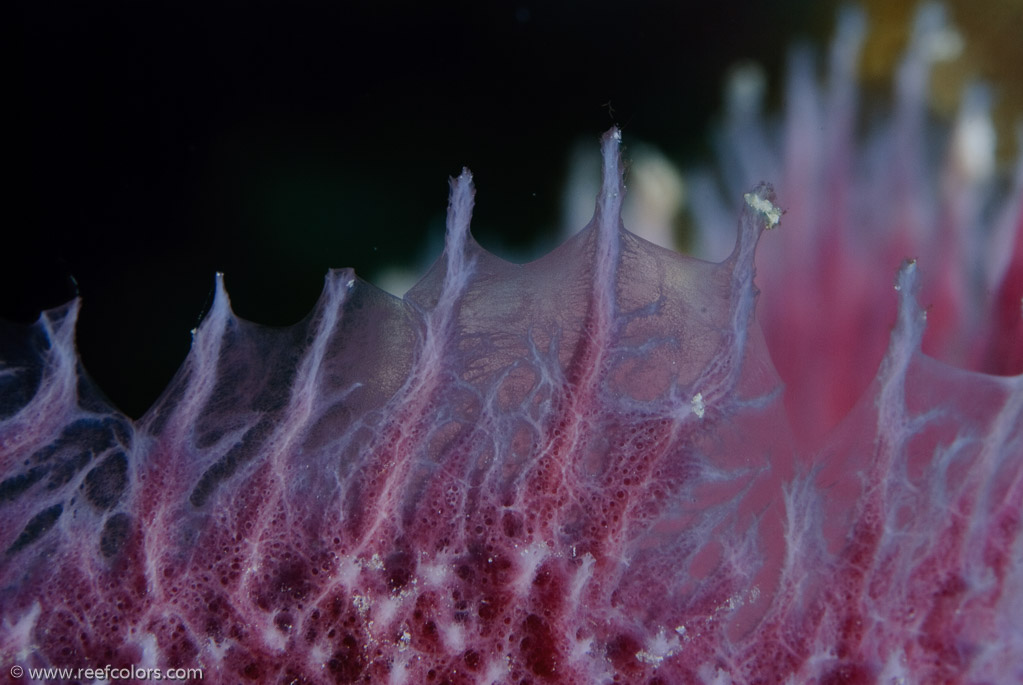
{"type": "Point", "coordinates": [762, 200]}
{"type": "Point", "coordinates": [460, 204]}
{"type": "Point", "coordinates": [911, 317]}
{"type": "Point", "coordinates": [612, 187]}
{"type": "Point", "coordinates": [459, 265]}
{"type": "Point", "coordinates": [610, 146]}
{"type": "Point", "coordinates": [220, 309]}
{"type": "Point", "coordinates": [220, 296]}
{"type": "Point", "coordinates": [905, 278]}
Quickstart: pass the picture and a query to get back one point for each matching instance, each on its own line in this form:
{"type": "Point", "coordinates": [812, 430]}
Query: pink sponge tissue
{"type": "Point", "coordinates": [612, 464]}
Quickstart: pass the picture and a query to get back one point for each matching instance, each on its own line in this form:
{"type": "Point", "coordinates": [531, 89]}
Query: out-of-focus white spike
{"type": "Point", "coordinates": [841, 106]}
{"type": "Point", "coordinates": [973, 141]}
{"type": "Point", "coordinates": [656, 195]}
{"type": "Point", "coordinates": [845, 48]}
{"type": "Point", "coordinates": [933, 39]}
{"type": "Point", "coordinates": [938, 39]}
{"type": "Point", "coordinates": [803, 150]}
{"type": "Point", "coordinates": [931, 31]}
{"type": "Point", "coordinates": [749, 150]}
{"type": "Point", "coordinates": [581, 186]}
{"type": "Point", "coordinates": [1000, 247]}
{"type": "Point", "coordinates": [969, 166]}
{"type": "Point", "coordinates": [745, 91]}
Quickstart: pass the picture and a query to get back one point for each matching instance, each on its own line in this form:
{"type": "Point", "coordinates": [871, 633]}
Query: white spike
{"type": "Point", "coordinates": [58, 390]}
{"type": "Point", "coordinates": [1003, 238]}
{"type": "Point", "coordinates": [723, 371]}
{"type": "Point", "coordinates": [203, 358]}
{"type": "Point", "coordinates": [459, 215]}
{"type": "Point", "coordinates": [62, 359]}
{"type": "Point", "coordinates": [911, 316]}
{"type": "Point", "coordinates": [609, 204]}
{"type": "Point", "coordinates": [219, 312]}
{"type": "Point", "coordinates": [909, 324]}
{"type": "Point", "coordinates": [974, 138]}
{"type": "Point", "coordinates": [845, 49]}
{"type": "Point", "coordinates": [608, 218]}
{"type": "Point", "coordinates": [932, 40]}
{"type": "Point", "coordinates": [842, 88]}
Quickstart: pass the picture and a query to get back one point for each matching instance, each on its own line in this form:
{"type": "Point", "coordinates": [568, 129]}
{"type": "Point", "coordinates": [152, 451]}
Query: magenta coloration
{"type": "Point", "coordinates": [490, 480]}
{"type": "Point", "coordinates": [860, 196]}
{"type": "Point", "coordinates": [574, 470]}
{"type": "Point", "coordinates": [578, 470]}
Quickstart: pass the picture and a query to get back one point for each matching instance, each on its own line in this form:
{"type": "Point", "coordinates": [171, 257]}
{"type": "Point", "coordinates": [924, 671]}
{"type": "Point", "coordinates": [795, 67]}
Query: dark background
{"type": "Point", "coordinates": [157, 143]}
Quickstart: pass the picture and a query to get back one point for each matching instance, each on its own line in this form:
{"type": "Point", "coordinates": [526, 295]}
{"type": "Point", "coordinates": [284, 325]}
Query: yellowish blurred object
{"type": "Point", "coordinates": [984, 43]}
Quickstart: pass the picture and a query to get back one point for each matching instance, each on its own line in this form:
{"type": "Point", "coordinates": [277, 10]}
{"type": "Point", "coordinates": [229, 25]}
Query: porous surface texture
{"type": "Point", "coordinates": [575, 470]}
{"type": "Point", "coordinates": [584, 469]}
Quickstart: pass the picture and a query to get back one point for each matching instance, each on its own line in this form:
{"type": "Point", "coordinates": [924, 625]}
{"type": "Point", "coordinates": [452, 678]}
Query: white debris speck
{"type": "Point", "coordinates": [659, 648]}
{"type": "Point", "coordinates": [732, 603]}
{"type": "Point", "coordinates": [770, 211]}
{"type": "Point", "coordinates": [698, 406]}
{"type": "Point", "coordinates": [375, 564]}
{"type": "Point", "coordinates": [362, 603]}
{"type": "Point", "coordinates": [404, 640]}
{"type": "Point", "coordinates": [648, 658]}
{"type": "Point", "coordinates": [350, 283]}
